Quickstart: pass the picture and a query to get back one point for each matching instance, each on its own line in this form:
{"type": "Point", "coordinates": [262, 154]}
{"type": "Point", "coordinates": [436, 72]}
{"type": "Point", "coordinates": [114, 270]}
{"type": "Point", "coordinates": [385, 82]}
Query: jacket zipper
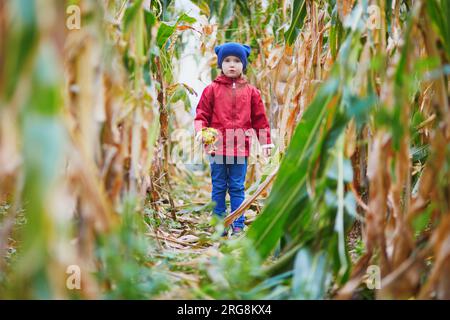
{"type": "Point", "coordinates": [234, 103]}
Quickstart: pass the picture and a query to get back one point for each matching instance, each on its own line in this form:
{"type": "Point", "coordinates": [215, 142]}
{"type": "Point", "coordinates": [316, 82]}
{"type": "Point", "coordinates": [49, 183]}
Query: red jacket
{"type": "Point", "coordinates": [235, 109]}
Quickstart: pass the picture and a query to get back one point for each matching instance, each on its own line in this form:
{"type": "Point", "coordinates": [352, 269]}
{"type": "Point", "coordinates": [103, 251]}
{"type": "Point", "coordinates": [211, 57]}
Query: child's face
{"type": "Point", "coordinates": [232, 66]}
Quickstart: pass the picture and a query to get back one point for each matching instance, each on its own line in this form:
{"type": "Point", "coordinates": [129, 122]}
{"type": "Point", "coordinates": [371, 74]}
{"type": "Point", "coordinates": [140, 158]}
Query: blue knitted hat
{"type": "Point", "coordinates": [242, 51]}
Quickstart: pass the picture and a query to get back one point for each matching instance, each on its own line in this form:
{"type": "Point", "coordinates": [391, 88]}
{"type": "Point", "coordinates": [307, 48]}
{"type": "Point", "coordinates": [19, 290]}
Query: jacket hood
{"type": "Point", "coordinates": [227, 80]}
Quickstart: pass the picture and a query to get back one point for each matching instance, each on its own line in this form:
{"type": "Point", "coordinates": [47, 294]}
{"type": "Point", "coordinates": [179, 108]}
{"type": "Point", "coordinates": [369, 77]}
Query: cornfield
{"type": "Point", "coordinates": [100, 198]}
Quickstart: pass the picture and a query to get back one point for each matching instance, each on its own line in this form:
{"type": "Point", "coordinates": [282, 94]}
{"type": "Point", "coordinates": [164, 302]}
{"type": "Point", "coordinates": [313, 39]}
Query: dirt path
{"type": "Point", "coordinates": [186, 245]}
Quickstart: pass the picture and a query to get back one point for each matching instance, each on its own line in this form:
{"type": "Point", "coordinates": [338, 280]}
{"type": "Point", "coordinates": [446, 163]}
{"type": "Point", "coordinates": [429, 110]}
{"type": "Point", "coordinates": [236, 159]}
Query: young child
{"type": "Point", "coordinates": [234, 108]}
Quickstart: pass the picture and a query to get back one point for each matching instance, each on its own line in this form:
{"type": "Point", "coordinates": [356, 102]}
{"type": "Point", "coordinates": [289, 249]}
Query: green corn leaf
{"type": "Point", "coordinates": [164, 32]}
{"type": "Point", "coordinates": [298, 18]}
{"type": "Point", "coordinates": [268, 228]}
{"type": "Point", "coordinates": [130, 14]}
{"type": "Point", "coordinates": [310, 275]}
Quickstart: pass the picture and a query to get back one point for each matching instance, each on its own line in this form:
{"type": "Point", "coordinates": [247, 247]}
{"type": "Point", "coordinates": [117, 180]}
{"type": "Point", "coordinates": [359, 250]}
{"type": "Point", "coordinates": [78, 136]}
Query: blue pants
{"type": "Point", "coordinates": [228, 174]}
